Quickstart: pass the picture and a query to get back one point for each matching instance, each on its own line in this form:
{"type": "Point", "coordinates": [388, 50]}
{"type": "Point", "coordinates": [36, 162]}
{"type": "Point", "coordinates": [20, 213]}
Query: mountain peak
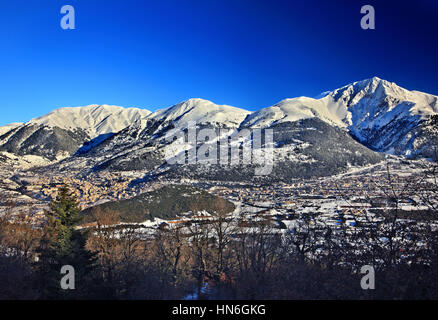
{"type": "Point", "coordinates": [375, 79]}
{"type": "Point", "coordinates": [201, 111]}
{"type": "Point", "coordinates": [374, 110]}
{"type": "Point", "coordinates": [372, 83]}
{"type": "Point", "coordinates": [94, 119]}
{"type": "Point", "coordinates": [196, 100]}
{"type": "Point", "coordinates": [373, 88]}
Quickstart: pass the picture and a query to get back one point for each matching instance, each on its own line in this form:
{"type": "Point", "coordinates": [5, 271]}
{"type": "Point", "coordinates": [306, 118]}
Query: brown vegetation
{"type": "Point", "coordinates": [222, 259]}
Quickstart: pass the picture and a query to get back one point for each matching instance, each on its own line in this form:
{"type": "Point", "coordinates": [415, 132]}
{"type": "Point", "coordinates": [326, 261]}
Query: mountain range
{"type": "Point", "coordinates": [354, 125]}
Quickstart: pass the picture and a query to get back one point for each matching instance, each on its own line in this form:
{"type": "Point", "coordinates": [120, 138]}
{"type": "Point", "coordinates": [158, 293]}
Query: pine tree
{"type": "Point", "coordinates": [64, 244]}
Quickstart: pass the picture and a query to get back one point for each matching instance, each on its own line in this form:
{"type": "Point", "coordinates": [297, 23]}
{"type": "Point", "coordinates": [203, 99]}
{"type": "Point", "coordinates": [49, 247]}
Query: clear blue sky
{"type": "Point", "coordinates": [249, 54]}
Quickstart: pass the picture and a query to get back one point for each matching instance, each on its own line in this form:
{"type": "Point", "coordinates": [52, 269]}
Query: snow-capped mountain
{"type": "Point", "coordinates": [62, 132]}
{"type": "Point", "coordinates": [389, 118]}
{"type": "Point", "coordinates": [202, 112]}
{"type": "Point", "coordinates": [378, 113]}
{"type": "Point", "coordinates": [304, 144]}
{"type": "Point", "coordinates": [93, 119]}
{"type": "Point", "coordinates": [291, 110]}
{"type": "Point", "coordinates": [9, 127]}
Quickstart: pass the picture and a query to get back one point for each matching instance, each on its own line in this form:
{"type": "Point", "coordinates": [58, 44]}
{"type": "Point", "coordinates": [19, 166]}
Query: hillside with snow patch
{"type": "Point", "coordinates": [376, 112]}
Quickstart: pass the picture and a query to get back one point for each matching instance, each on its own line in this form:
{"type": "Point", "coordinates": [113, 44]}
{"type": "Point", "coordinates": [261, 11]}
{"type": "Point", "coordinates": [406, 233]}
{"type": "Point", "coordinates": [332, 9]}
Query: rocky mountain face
{"type": "Point", "coordinates": [64, 131]}
{"type": "Point", "coordinates": [378, 113]}
{"type": "Point", "coordinates": [49, 142]}
{"type": "Point", "coordinates": [302, 148]}
{"type": "Point", "coordinates": [389, 118]}
{"type": "Point", "coordinates": [9, 127]}
{"type": "Point", "coordinates": [348, 127]}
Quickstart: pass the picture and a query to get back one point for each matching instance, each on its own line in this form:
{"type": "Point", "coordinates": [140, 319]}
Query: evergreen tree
{"type": "Point", "coordinates": [64, 244]}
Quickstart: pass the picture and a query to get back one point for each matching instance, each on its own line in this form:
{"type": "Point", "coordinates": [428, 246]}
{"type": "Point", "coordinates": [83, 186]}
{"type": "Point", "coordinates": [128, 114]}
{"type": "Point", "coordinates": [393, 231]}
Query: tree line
{"type": "Point", "coordinates": [224, 257]}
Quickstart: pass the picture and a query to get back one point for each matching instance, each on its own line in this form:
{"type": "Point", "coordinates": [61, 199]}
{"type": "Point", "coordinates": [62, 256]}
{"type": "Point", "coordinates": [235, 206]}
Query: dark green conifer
{"type": "Point", "coordinates": [64, 244]}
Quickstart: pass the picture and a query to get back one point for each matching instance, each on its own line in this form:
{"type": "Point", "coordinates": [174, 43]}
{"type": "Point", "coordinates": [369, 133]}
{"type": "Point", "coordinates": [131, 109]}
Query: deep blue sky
{"type": "Point", "coordinates": [249, 54]}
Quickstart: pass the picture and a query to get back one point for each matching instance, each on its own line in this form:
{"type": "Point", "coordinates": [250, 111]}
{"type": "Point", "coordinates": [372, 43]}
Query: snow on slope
{"type": "Point", "coordinates": [386, 116]}
{"type": "Point", "coordinates": [370, 92]}
{"type": "Point", "coordinates": [381, 114]}
{"type": "Point", "coordinates": [24, 162]}
{"type": "Point", "coordinates": [9, 127]}
{"type": "Point", "coordinates": [94, 119]}
{"type": "Point", "coordinates": [369, 103]}
{"type": "Point", "coordinates": [290, 110]}
{"type": "Point", "coordinates": [376, 99]}
{"type": "Point", "coordinates": [202, 112]}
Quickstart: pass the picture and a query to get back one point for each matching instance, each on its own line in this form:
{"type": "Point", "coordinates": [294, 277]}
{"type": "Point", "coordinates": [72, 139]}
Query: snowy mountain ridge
{"type": "Point", "coordinates": [202, 112]}
{"type": "Point", "coordinates": [93, 119]}
{"type": "Point", "coordinates": [8, 127]}
{"type": "Point", "coordinates": [389, 118]}
{"type": "Point", "coordinates": [379, 113]}
{"type": "Point", "coordinates": [291, 110]}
